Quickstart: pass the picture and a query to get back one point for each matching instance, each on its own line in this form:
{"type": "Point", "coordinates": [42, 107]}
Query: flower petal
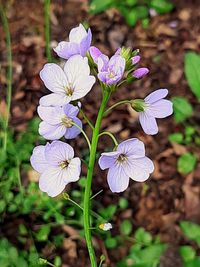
{"type": "Point", "coordinates": [132, 147]}
{"type": "Point", "coordinates": [51, 132]}
{"type": "Point", "coordinates": [38, 160]}
{"type": "Point", "coordinates": [108, 159]}
{"type": "Point", "coordinates": [73, 131]}
{"type": "Point", "coordinates": [51, 115]}
{"type": "Point", "coordinates": [57, 152]}
{"type": "Point", "coordinates": [95, 53]}
{"type": "Point", "coordinates": [83, 86]}
{"type": "Point", "coordinates": [54, 100]}
{"type": "Point", "coordinates": [70, 110]}
{"type": "Point", "coordinates": [85, 43]}
{"type": "Point", "coordinates": [51, 181]}
{"type": "Point", "coordinates": [117, 179]}
{"type": "Point", "coordinates": [156, 95]}
{"type": "Point", "coordinates": [138, 169]}
{"type": "Point", "coordinates": [160, 109]}
{"type": "Point", "coordinates": [66, 49]}
{"type": "Point", "coordinates": [53, 77]}
{"type": "Point", "coordinates": [72, 172]}
{"type": "Point", "coordinates": [77, 34]}
{"type": "Point", "coordinates": [148, 123]}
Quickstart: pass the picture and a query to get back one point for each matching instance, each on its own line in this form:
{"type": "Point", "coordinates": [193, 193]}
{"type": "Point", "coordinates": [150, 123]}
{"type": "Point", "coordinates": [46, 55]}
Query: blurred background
{"type": "Point", "coordinates": [156, 223]}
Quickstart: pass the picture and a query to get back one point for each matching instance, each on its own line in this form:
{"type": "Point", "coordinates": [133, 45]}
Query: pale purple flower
{"type": "Point", "coordinates": [57, 166]}
{"type": "Point", "coordinates": [128, 161]}
{"type": "Point", "coordinates": [68, 84]}
{"type": "Point", "coordinates": [135, 59]}
{"type": "Point", "coordinates": [105, 226]}
{"type": "Point", "coordinates": [140, 73]}
{"type": "Point", "coordinates": [58, 122]}
{"type": "Point", "coordinates": [110, 71]}
{"type": "Point", "coordinates": [154, 107]}
{"type": "Point", "coordinates": [79, 43]}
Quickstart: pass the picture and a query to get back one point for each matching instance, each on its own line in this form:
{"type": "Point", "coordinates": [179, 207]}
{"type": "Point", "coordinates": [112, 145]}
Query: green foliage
{"type": "Point", "coordinates": [133, 10]}
{"type": "Point", "coordinates": [176, 138]}
{"type": "Point", "coordinates": [186, 163]}
{"type": "Point", "coordinates": [192, 72]}
{"type": "Point", "coordinates": [182, 108]}
{"type": "Point", "coordinates": [191, 231]}
{"type": "Point", "coordinates": [126, 227]}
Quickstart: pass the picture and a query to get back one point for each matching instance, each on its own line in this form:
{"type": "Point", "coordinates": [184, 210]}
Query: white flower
{"type": "Point", "coordinates": [105, 226]}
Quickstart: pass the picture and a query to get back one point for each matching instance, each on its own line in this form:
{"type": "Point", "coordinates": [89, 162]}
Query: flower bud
{"type": "Point", "coordinates": [135, 59]}
{"type": "Point", "coordinates": [138, 105]}
{"type": "Point", "coordinates": [140, 73]}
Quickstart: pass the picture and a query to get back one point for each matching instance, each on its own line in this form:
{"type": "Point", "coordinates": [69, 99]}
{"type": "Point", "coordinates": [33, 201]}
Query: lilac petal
{"type": "Point", "coordinates": [108, 159]}
{"type": "Point", "coordinates": [102, 76]}
{"type": "Point", "coordinates": [77, 34]}
{"type": "Point", "coordinates": [160, 109]}
{"type": "Point", "coordinates": [72, 172]}
{"type": "Point", "coordinates": [73, 131]}
{"type": "Point", "coordinates": [140, 73]}
{"type": "Point", "coordinates": [51, 181]}
{"type": "Point", "coordinates": [117, 64]}
{"type": "Point", "coordinates": [156, 95]}
{"type": "Point", "coordinates": [53, 77]}
{"type": "Point", "coordinates": [51, 132]}
{"type": "Point", "coordinates": [102, 63]}
{"type": "Point", "coordinates": [95, 53]}
{"type": "Point", "coordinates": [38, 160]}
{"type": "Point", "coordinates": [57, 152]}
{"type": "Point", "coordinates": [138, 169]}
{"type": "Point", "coordinates": [117, 179]}
{"type": "Point", "coordinates": [85, 43]}
{"type": "Point", "coordinates": [70, 110]}
{"type": "Point", "coordinates": [54, 100]}
{"type": "Point", "coordinates": [132, 147]}
{"type": "Point", "coordinates": [148, 123]}
{"type": "Point", "coordinates": [51, 115]}
{"type": "Point", "coordinates": [67, 49]}
{"type": "Point", "coordinates": [135, 59]}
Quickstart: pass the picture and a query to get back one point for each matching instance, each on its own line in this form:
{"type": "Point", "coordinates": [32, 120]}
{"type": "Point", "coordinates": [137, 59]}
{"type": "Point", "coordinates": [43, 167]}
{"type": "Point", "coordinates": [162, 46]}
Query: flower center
{"type": "Point", "coordinates": [67, 122]}
{"type": "Point", "coordinates": [111, 75]}
{"type": "Point", "coordinates": [69, 90]}
{"type": "Point", "coordinates": [64, 164]}
{"type": "Point", "coordinates": [121, 158]}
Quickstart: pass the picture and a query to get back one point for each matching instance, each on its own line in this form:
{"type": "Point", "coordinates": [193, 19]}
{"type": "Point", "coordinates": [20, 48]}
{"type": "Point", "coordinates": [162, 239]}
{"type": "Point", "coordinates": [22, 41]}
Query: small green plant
{"type": "Point", "coordinates": [133, 10]}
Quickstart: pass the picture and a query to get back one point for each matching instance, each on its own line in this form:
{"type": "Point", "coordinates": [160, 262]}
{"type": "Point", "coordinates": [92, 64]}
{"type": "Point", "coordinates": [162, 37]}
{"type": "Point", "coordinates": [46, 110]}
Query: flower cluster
{"type": "Point", "coordinates": [59, 113]}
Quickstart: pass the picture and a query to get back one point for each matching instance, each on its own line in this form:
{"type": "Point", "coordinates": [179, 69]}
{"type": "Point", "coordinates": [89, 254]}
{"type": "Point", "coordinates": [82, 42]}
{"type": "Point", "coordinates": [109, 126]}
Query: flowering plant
{"type": "Point", "coordinates": [59, 113]}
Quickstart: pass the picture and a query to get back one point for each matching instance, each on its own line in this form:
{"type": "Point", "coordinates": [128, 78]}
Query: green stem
{"type": "Point", "coordinates": [47, 29]}
{"type": "Point", "coordinates": [86, 119]}
{"type": "Point", "coordinates": [84, 134]}
{"type": "Point", "coordinates": [116, 105]}
{"type": "Point", "coordinates": [9, 72]}
{"type": "Point", "coordinates": [111, 135]}
{"type": "Point", "coordinates": [86, 204]}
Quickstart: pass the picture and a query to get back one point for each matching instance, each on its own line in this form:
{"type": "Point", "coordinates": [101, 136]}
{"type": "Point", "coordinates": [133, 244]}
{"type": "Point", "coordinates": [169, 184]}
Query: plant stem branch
{"type": "Point", "coordinates": [116, 105]}
{"type": "Point", "coordinates": [111, 135]}
{"type": "Point", "coordinates": [86, 119]}
{"type": "Point", "coordinates": [84, 134]}
{"type": "Point", "coordinates": [87, 202]}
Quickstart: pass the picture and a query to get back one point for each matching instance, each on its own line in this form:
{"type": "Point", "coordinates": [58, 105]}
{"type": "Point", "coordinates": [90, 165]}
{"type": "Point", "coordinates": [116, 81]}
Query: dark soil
{"type": "Point", "coordinates": [170, 197]}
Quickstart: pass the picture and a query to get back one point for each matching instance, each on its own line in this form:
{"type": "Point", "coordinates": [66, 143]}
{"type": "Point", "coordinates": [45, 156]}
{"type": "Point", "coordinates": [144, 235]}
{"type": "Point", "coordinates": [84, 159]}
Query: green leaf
{"type": "Point", "coordinates": [161, 6]}
{"type": "Point", "coordinates": [43, 233]}
{"type": "Point", "coordinates": [108, 212]}
{"type": "Point", "coordinates": [191, 231]}
{"type": "Point", "coordinates": [131, 2]}
{"type": "Point", "coordinates": [123, 203]}
{"type": "Point", "coordinates": [98, 6]}
{"type": "Point", "coordinates": [143, 236]}
{"type": "Point", "coordinates": [182, 108]}
{"type": "Point", "coordinates": [186, 163]}
{"type": "Point", "coordinates": [193, 263]}
{"type": "Point", "coordinates": [126, 227]}
{"type": "Point", "coordinates": [187, 253]}
{"type": "Point", "coordinates": [192, 72]}
{"type": "Point", "coordinates": [176, 138]}
{"type": "Point", "coordinates": [111, 242]}
{"type": "Point", "coordinates": [189, 131]}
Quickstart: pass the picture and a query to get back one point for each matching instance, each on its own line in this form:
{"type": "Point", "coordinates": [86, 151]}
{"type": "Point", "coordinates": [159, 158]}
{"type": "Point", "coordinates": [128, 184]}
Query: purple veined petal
{"type": "Point", "coordinates": [73, 132]}
{"type": "Point", "coordinates": [66, 49]}
{"type": "Point", "coordinates": [83, 87]}
{"type": "Point", "coordinates": [77, 34]}
{"type": "Point", "coordinates": [108, 159]}
{"type": "Point", "coordinates": [140, 73]}
{"type": "Point", "coordinates": [51, 115]}
{"type": "Point", "coordinates": [117, 179]}
{"type": "Point", "coordinates": [102, 63]}
{"type": "Point", "coordinates": [118, 51]}
{"type": "Point", "coordinates": [117, 64]}
{"type": "Point", "coordinates": [38, 160]}
{"type": "Point", "coordinates": [156, 95]}
{"type": "Point", "coordinates": [57, 152]}
{"type": "Point", "coordinates": [70, 110]}
{"type": "Point", "coordinates": [149, 124]}
{"type": "Point", "coordinates": [72, 172]}
{"type": "Point", "coordinates": [95, 53]}
{"type": "Point", "coordinates": [53, 77]}
{"type": "Point", "coordinates": [85, 43]}
{"type": "Point", "coordinates": [135, 60]}
{"type": "Point", "coordinates": [138, 169]}
{"type": "Point", "coordinates": [51, 132]}
{"type": "Point", "coordinates": [76, 68]}
{"type": "Point", "coordinates": [51, 181]}
{"type": "Point", "coordinates": [160, 109]}
{"type": "Point", "coordinates": [132, 147]}
{"type": "Point", "coordinates": [54, 100]}
{"type": "Point", "coordinates": [102, 76]}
